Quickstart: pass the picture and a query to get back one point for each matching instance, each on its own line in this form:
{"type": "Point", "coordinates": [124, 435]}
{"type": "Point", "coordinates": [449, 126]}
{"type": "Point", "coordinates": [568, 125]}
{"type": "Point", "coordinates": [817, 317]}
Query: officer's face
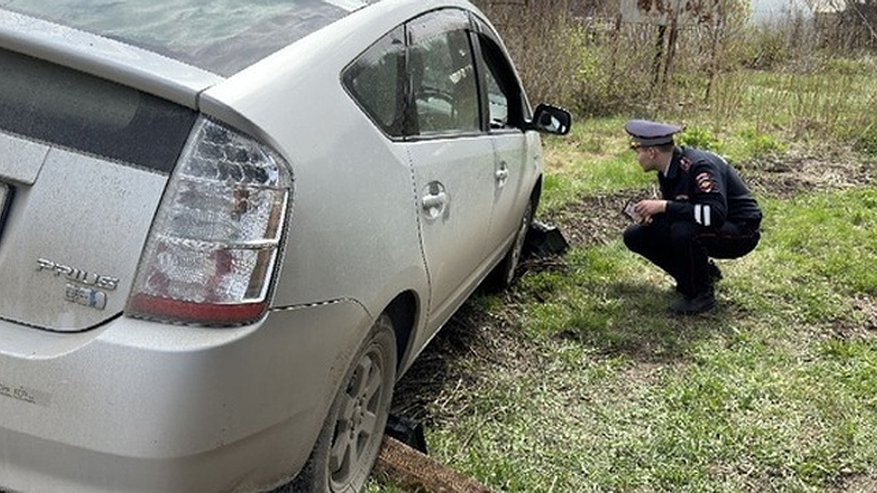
{"type": "Point", "coordinates": [647, 158]}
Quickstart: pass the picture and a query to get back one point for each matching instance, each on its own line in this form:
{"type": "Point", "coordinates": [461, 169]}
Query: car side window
{"type": "Point", "coordinates": [497, 102]}
{"type": "Point", "coordinates": [376, 80]}
{"type": "Point", "coordinates": [442, 72]}
{"type": "Point", "coordinates": [505, 99]}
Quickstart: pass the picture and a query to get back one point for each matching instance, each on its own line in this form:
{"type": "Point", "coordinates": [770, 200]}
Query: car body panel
{"type": "Point", "coordinates": [21, 159]}
{"type": "Point", "coordinates": [454, 233]}
{"type": "Point", "coordinates": [513, 159]}
{"type": "Point", "coordinates": [54, 251]}
{"type": "Point", "coordinates": [182, 404]}
{"type": "Point", "coordinates": [328, 142]}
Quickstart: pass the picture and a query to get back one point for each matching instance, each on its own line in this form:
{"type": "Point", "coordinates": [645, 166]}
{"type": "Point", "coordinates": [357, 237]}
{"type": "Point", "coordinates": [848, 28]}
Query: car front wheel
{"type": "Point", "coordinates": [505, 273]}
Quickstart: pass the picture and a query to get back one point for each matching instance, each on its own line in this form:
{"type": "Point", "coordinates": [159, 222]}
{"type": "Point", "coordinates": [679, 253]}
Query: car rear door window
{"type": "Point", "coordinates": [442, 72]}
{"type": "Point", "coordinates": [376, 80]}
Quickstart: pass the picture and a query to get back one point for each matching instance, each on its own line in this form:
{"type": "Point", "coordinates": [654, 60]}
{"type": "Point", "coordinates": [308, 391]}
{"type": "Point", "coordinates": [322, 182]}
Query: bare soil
{"type": "Point", "coordinates": [787, 175]}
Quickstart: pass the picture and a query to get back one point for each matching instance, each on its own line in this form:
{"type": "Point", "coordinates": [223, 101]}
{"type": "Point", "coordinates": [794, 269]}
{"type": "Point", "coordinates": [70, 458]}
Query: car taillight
{"type": "Point", "coordinates": [215, 240]}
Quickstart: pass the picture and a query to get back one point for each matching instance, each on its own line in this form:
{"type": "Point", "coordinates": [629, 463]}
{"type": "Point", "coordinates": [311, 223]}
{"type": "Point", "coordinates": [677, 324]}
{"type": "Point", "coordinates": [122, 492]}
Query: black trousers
{"type": "Point", "coordinates": [682, 248]}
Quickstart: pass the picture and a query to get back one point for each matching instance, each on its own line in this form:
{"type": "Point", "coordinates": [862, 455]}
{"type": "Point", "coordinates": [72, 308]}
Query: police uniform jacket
{"type": "Point", "coordinates": [701, 187]}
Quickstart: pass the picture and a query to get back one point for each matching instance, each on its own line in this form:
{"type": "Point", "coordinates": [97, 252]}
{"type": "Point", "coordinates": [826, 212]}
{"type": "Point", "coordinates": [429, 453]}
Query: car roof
{"type": "Point", "coordinates": [221, 36]}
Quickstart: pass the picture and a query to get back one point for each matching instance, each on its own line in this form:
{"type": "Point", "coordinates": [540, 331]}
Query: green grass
{"type": "Point", "coordinates": [761, 396]}
{"type": "Point", "coordinates": [591, 177]}
{"type": "Point", "coordinates": [776, 390]}
{"type": "Point", "coordinates": [823, 105]}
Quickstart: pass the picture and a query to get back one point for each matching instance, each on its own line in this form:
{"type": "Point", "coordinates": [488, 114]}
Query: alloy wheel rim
{"type": "Point", "coordinates": [355, 426]}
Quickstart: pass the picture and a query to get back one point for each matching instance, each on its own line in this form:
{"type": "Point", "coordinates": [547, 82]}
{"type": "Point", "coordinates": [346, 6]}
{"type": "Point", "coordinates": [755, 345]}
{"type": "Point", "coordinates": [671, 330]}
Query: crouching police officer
{"type": "Point", "coordinates": [705, 211]}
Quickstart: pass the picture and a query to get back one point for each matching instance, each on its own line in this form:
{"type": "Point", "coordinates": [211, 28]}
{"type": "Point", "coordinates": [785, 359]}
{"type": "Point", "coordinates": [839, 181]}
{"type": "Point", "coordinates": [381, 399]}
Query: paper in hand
{"type": "Point", "coordinates": [630, 211]}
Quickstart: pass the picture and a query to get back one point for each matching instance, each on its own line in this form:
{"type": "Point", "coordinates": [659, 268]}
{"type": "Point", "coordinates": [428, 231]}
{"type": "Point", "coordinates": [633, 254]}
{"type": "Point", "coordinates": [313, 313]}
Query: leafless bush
{"type": "Point", "coordinates": [542, 42]}
{"type": "Point", "coordinates": [596, 64]}
{"type": "Point", "coordinates": [586, 59]}
{"type": "Point", "coordinates": [847, 26]}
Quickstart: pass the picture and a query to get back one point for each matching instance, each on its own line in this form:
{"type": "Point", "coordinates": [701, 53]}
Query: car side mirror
{"type": "Point", "coordinates": [551, 119]}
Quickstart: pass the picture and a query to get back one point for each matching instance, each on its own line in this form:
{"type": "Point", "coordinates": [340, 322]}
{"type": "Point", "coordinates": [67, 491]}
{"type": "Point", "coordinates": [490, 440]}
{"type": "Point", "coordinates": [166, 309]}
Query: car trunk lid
{"type": "Point", "coordinates": [83, 165]}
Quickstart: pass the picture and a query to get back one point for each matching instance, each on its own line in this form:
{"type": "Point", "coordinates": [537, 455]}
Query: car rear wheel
{"type": "Point", "coordinates": [351, 437]}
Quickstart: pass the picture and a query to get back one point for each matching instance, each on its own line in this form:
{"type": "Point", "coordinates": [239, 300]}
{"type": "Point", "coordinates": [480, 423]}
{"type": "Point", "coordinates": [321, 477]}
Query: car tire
{"type": "Point", "coordinates": [506, 272]}
{"type": "Point", "coordinates": [350, 440]}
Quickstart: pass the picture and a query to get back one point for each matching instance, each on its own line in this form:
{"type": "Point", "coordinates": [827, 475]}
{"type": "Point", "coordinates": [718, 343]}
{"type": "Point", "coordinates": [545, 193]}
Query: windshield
{"type": "Point", "coordinates": [222, 36]}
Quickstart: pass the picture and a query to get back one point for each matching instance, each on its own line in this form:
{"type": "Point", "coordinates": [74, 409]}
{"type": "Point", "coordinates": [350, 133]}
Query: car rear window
{"type": "Point", "coordinates": [221, 36]}
{"type": "Point", "coordinates": [64, 107]}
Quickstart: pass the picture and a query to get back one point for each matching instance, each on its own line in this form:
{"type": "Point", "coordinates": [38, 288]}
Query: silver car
{"type": "Point", "coordinates": [229, 227]}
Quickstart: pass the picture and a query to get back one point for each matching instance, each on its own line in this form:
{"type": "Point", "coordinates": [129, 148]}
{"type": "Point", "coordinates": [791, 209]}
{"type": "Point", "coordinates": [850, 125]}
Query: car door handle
{"type": "Point", "coordinates": [502, 174]}
{"type": "Point", "coordinates": [435, 200]}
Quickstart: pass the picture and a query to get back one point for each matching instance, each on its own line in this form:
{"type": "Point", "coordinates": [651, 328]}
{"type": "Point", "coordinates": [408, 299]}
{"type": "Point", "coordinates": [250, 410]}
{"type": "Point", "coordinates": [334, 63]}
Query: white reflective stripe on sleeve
{"type": "Point", "coordinates": [707, 216]}
{"type": "Point", "coordinates": [697, 218]}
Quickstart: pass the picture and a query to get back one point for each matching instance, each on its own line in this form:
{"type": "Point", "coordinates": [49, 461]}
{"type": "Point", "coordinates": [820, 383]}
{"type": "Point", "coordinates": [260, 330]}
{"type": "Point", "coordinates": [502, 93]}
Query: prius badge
{"type": "Point", "coordinates": [83, 288]}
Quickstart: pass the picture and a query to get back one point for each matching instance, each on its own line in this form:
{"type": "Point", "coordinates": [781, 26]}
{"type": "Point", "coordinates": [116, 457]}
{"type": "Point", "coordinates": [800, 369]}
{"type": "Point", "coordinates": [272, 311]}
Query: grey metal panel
{"type": "Point", "coordinates": [141, 406]}
{"type": "Point", "coordinates": [83, 213]}
{"type": "Point", "coordinates": [103, 57]}
{"type": "Point", "coordinates": [295, 101]}
{"type": "Point", "coordinates": [20, 159]}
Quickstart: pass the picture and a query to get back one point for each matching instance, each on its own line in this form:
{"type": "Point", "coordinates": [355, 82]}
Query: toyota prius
{"type": "Point", "coordinates": [227, 228]}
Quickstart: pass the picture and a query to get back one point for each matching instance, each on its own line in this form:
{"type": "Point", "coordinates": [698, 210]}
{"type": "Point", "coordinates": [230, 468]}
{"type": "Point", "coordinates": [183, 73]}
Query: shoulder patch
{"type": "Point", "coordinates": [705, 182]}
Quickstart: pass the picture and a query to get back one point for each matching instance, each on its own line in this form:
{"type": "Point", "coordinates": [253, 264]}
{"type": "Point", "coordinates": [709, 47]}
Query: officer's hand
{"type": "Point", "coordinates": [649, 208]}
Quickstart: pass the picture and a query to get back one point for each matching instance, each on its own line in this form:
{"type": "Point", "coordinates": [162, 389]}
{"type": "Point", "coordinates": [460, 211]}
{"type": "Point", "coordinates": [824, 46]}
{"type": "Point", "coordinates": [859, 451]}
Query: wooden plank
{"type": "Point", "coordinates": [417, 472]}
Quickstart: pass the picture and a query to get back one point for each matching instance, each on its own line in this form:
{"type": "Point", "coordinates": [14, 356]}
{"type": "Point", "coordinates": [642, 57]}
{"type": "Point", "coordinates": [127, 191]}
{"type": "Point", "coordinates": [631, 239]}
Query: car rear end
{"type": "Point", "coordinates": [138, 244]}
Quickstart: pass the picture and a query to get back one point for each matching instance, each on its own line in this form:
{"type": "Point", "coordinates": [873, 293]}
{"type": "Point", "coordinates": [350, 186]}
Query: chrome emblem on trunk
{"type": "Point", "coordinates": [78, 275]}
{"type": "Point", "coordinates": [80, 288]}
{"type": "Point", "coordinates": [91, 298]}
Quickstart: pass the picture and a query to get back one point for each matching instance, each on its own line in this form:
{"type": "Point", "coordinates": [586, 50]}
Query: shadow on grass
{"type": "Point", "coordinates": [631, 320]}
{"type": "Point", "coordinates": [635, 322]}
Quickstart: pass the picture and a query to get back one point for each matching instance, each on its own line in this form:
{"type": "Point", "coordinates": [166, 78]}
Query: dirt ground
{"type": "Point", "coordinates": [474, 336]}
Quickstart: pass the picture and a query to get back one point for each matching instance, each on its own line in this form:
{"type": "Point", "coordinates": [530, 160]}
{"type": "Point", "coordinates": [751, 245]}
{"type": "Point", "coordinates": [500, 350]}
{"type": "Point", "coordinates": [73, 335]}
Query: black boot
{"type": "Point", "coordinates": [701, 303]}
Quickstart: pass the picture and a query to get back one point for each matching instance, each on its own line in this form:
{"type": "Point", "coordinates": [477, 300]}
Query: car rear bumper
{"type": "Point", "coordinates": [140, 406]}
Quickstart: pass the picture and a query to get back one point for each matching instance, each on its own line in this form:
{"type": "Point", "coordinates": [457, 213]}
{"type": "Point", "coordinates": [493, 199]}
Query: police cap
{"type": "Point", "coordinates": [645, 133]}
